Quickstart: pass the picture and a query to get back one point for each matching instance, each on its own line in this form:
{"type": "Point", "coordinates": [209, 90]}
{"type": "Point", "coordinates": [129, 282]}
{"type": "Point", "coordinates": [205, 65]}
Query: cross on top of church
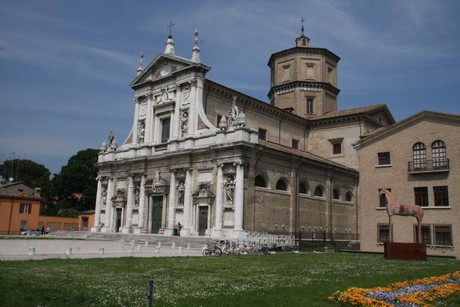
{"type": "Point", "coordinates": [302, 20]}
{"type": "Point", "coordinates": [171, 24]}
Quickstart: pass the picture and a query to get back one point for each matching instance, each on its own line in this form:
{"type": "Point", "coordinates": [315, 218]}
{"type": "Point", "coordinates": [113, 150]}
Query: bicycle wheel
{"type": "Point", "coordinates": [217, 251]}
{"type": "Point", "coordinates": [205, 252]}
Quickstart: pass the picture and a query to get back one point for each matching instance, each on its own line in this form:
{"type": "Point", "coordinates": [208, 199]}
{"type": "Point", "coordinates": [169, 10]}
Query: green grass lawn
{"type": "Point", "coordinates": [244, 280]}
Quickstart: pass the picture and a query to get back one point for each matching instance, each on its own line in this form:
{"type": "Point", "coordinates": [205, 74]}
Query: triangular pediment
{"type": "Point", "coordinates": [163, 66]}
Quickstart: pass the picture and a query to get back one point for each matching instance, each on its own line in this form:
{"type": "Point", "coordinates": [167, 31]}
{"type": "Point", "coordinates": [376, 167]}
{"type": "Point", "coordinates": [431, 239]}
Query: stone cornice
{"type": "Point", "coordinates": [303, 50]}
{"type": "Point", "coordinates": [304, 85]}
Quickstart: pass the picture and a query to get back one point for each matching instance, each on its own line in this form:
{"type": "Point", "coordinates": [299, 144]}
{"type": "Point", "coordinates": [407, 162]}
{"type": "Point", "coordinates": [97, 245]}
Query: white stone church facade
{"type": "Point", "coordinates": [221, 163]}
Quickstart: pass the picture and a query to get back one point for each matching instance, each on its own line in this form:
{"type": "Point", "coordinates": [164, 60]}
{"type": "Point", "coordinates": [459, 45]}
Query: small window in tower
{"type": "Point", "coordinates": [330, 75]}
{"type": "Point", "coordinates": [310, 105]}
{"type": "Point", "coordinates": [295, 144]}
{"type": "Point", "coordinates": [287, 72]}
{"type": "Point", "coordinates": [262, 134]}
{"type": "Point", "coordinates": [310, 71]}
{"type": "Point", "coordinates": [336, 146]}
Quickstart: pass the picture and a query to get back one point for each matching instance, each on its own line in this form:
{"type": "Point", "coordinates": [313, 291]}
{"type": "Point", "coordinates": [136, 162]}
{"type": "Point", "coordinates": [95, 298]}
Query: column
{"type": "Point", "coordinates": [193, 115]}
{"type": "Point", "coordinates": [175, 117]}
{"type": "Point", "coordinates": [108, 207]}
{"type": "Point", "coordinates": [97, 211]}
{"type": "Point", "coordinates": [172, 205]}
{"type": "Point", "coordinates": [239, 199]}
{"type": "Point", "coordinates": [329, 200]}
{"type": "Point", "coordinates": [187, 203]}
{"type": "Point", "coordinates": [136, 119]}
{"type": "Point", "coordinates": [129, 206]}
{"type": "Point", "coordinates": [217, 231]}
{"type": "Point", "coordinates": [148, 138]}
{"type": "Point", "coordinates": [140, 223]}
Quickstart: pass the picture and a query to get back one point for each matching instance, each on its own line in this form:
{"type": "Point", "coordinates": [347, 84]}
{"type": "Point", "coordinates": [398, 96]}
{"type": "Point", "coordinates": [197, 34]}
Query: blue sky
{"type": "Point", "coordinates": [65, 66]}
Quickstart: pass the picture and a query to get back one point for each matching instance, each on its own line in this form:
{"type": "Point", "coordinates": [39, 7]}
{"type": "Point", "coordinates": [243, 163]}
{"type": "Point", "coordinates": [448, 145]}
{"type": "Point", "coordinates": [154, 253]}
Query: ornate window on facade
{"type": "Point", "coordinates": [262, 134]}
{"type": "Point", "coordinates": [441, 196]}
{"type": "Point", "coordinates": [25, 208]}
{"type": "Point", "coordinates": [281, 185]}
{"type": "Point", "coordinates": [335, 194]}
{"type": "Point", "coordinates": [349, 196]}
{"type": "Point", "coordinates": [303, 188]}
{"type": "Point", "coordinates": [310, 71]}
{"type": "Point", "coordinates": [165, 128]}
{"type": "Point", "coordinates": [259, 181]}
{"type": "Point", "coordinates": [319, 191]}
{"type": "Point", "coordinates": [286, 72]}
{"type": "Point", "coordinates": [383, 233]}
{"type": "Point", "coordinates": [384, 158]}
{"type": "Point", "coordinates": [382, 199]}
{"type": "Point", "coordinates": [421, 196]}
{"type": "Point", "coordinates": [426, 234]}
{"type": "Point", "coordinates": [310, 109]}
{"type": "Point", "coordinates": [438, 150]}
{"type": "Point", "coordinates": [443, 234]}
{"type": "Point", "coordinates": [419, 155]}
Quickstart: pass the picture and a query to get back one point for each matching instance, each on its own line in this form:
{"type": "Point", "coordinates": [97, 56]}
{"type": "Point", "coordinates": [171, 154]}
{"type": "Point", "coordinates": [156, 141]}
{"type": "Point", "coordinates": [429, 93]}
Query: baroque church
{"type": "Point", "coordinates": [222, 163]}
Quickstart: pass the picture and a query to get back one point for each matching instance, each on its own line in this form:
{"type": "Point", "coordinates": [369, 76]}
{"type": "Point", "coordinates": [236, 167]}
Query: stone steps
{"type": "Point", "coordinates": [136, 239]}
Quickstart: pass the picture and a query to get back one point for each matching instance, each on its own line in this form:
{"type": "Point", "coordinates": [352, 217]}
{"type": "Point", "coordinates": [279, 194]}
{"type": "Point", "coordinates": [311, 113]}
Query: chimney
{"type": "Point", "coordinates": [37, 192]}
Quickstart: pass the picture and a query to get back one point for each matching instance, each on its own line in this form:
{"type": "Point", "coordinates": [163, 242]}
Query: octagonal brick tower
{"type": "Point", "coordinates": [304, 79]}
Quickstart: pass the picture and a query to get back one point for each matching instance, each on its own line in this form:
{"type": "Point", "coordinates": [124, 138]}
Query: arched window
{"type": "Point", "coordinates": [259, 181]}
{"type": "Point", "coordinates": [319, 191]}
{"type": "Point", "coordinates": [419, 154]}
{"type": "Point", "coordinates": [349, 196]}
{"type": "Point", "coordinates": [335, 194]}
{"type": "Point", "coordinates": [281, 185]}
{"type": "Point", "coordinates": [303, 188]}
{"type": "Point", "coordinates": [438, 150]}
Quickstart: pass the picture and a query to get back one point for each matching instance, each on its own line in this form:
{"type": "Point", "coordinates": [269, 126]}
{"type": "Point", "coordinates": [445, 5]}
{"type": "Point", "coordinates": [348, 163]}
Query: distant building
{"type": "Point", "coordinates": [417, 159]}
{"type": "Point", "coordinates": [20, 211]}
{"type": "Point", "coordinates": [19, 208]}
{"type": "Point", "coordinates": [220, 162]}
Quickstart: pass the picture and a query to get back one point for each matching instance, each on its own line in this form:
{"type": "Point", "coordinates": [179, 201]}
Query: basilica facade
{"type": "Point", "coordinates": [222, 163]}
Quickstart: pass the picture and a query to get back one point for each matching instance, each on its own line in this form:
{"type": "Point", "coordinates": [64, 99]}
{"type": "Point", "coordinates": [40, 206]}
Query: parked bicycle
{"type": "Point", "coordinates": [212, 250]}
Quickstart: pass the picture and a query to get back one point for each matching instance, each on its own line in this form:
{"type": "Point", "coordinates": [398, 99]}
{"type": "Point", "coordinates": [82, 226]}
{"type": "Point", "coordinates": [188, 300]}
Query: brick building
{"type": "Point", "coordinates": [417, 160]}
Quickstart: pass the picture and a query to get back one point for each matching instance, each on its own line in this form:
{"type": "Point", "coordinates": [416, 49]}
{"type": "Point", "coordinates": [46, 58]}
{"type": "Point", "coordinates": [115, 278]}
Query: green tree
{"type": "Point", "coordinates": [75, 185]}
{"type": "Point", "coordinates": [33, 175]}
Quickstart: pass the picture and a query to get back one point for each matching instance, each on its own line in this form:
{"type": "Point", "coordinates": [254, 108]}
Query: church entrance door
{"type": "Point", "coordinates": [118, 213]}
{"type": "Point", "coordinates": [157, 212]}
{"type": "Point", "coordinates": [202, 220]}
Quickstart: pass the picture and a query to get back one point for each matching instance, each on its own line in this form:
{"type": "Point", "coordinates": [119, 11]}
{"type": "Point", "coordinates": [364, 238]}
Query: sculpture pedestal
{"type": "Point", "coordinates": [407, 251]}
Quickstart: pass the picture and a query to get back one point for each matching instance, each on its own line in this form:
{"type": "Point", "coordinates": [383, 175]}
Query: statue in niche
{"type": "Point", "coordinates": [164, 95]}
{"type": "Point", "coordinates": [230, 188]}
{"type": "Point", "coordinates": [184, 122]}
{"type": "Point", "coordinates": [141, 131]}
{"type": "Point", "coordinates": [104, 196]}
{"type": "Point", "coordinates": [181, 190]}
{"type": "Point", "coordinates": [137, 194]}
